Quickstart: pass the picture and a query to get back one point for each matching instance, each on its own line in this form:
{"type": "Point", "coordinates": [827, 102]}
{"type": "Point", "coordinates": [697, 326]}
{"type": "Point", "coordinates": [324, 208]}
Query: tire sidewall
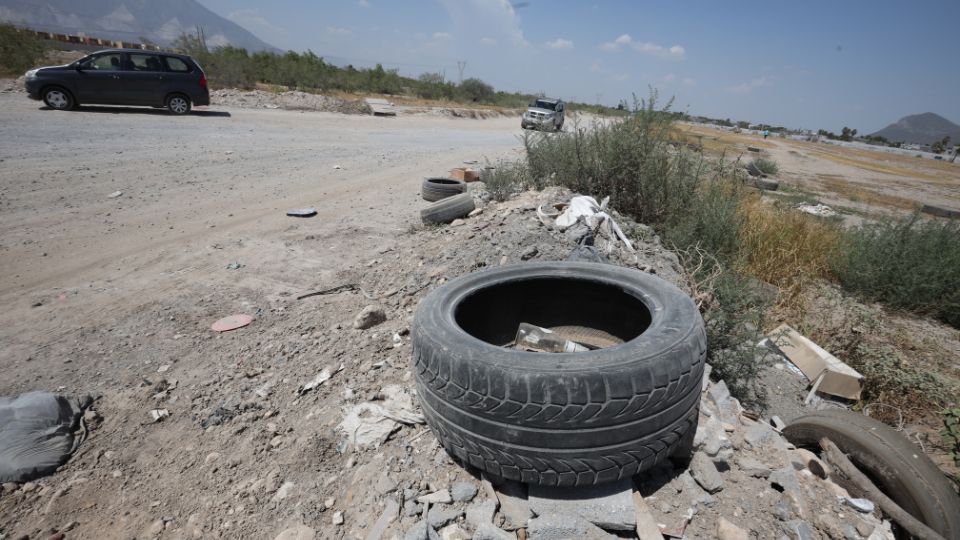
{"type": "Point", "coordinates": [70, 101]}
{"type": "Point", "coordinates": [185, 99]}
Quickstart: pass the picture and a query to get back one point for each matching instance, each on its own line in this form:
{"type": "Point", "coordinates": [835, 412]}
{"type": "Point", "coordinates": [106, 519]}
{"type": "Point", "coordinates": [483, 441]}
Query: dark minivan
{"type": "Point", "coordinates": [122, 77]}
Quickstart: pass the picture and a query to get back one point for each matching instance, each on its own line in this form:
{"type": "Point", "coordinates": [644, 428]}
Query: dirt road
{"type": "Point", "coordinates": [197, 193]}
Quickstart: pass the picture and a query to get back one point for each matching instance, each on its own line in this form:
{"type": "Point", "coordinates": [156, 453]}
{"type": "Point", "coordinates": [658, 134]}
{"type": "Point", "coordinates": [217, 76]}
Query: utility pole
{"type": "Point", "coordinates": [461, 65]}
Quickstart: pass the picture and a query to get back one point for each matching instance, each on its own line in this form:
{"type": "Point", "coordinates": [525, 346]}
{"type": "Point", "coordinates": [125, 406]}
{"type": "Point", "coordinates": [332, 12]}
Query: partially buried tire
{"type": "Point", "coordinates": [569, 419]}
{"type": "Point", "coordinates": [449, 209]}
{"type": "Point", "coordinates": [435, 189]}
{"type": "Point", "coordinates": [897, 467]}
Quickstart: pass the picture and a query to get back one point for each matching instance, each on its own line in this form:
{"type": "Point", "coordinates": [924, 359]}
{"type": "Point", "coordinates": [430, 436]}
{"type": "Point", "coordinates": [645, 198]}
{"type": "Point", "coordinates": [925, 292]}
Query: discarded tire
{"type": "Point", "coordinates": [434, 189]}
{"type": "Point", "coordinates": [895, 465]}
{"type": "Point", "coordinates": [940, 211]}
{"type": "Point", "coordinates": [570, 419]}
{"type": "Point", "coordinates": [449, 209]}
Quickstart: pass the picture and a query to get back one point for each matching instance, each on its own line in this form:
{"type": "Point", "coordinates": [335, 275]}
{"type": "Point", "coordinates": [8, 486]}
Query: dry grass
{"type": "Point", "coordinates": [859, 193]}
{"type": "Point", "coordinates": [784, 247]}
{"type": "Point", "coordinates": [716, 141]}
{"type": "Point", "coordinates": [873, 166]}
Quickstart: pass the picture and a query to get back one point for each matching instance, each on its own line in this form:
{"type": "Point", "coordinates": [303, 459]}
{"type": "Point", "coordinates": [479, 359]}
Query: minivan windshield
{"type": "Point", "coordinates": [549, 105]}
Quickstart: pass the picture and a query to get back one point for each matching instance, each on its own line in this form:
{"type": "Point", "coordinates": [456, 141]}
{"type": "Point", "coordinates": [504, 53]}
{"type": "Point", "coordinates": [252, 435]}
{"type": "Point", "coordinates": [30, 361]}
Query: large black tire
{"type": "Point", "coordinates": [896, 466]}
{"type": "Point", "coordinates": [449, 209]}
{"type": "Point", "coordinates": [559, 419]}
{"type": "Point", "coordinates": [434, 189]}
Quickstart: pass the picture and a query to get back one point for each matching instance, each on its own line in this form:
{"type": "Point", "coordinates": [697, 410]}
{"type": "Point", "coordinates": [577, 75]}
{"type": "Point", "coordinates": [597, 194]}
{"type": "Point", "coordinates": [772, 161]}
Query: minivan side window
{"type": "Point", "coordinates": [145, 62]}
{"type": "Point", "coordinates": [104, 62]}
{"type": "Point", "coordinates": [176, 65]}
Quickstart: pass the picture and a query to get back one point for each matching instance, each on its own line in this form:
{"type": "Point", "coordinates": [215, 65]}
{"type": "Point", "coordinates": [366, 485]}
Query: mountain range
{"type": "Point", "coordinates": [925, 128]}
{"type": "Point", "coordinates": [157, 21]}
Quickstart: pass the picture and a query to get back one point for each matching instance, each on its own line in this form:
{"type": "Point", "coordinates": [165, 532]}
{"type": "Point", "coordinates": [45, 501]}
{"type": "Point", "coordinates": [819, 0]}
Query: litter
{"type": "Point", "coordinates": [231, 323]}
{"type": "Point", "coordinates": [536, 339]}
{"type": "Point", "coordinates": [864, 506]}
{"type": "Point", "coordinates": [324, 376]}
{"type": "Point", "coordinates": [370, 424]}
{"type": "Point", "coordinates": [593, 214]}
{"type": "Point", "coordinates": [302, 212]}
{"type": "Point", "coordinates": [827, 373]}
{"type": "Point", "coordinates": [821, 210]}
{"type": "Point", "coordinates": [338, 167]}
{"type": "Point", "coordinates": [36, 434]}
{"type": "Point", "coordinates": [115, 194]}
{"type": "Point", "coordinates": [234, 266]}
{"type": "Point", "coordinates": [159, 414]}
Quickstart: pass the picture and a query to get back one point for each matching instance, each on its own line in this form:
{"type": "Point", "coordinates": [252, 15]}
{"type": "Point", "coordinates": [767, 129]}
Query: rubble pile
{"type": "Point", "coordinates": [291, 100]}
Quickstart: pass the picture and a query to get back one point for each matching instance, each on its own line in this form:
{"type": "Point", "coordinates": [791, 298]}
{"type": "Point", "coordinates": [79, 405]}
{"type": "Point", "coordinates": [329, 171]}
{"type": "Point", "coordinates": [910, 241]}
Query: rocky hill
{"type": "Point", "coordinates": [160, 22]}
{"type": "Point", "coordinates": [923, 128]}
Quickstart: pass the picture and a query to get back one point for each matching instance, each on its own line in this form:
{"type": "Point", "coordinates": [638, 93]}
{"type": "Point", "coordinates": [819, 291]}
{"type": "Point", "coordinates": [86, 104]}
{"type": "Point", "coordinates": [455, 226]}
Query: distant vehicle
{"type": "Point", "coordinates": [544, 113]}
{"type": "Point", "coordinates": [122, 77]}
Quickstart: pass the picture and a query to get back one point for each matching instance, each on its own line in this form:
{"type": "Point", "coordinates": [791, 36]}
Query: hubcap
{"type": "Point", "coordinates": [179, 105]}
{"type": "Point", "coordinates": [57, 99]}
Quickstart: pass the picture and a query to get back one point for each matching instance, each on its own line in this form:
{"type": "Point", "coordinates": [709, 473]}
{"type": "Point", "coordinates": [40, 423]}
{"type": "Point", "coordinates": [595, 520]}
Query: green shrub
{"type": "Point", "coordinates": [910, 264]}
{"type": "Point", "coordinates": [766, 166]}
{"type": "Point", "coordinates": [19, 50]}
{"type": "Point", "coordinates": [508, 178]}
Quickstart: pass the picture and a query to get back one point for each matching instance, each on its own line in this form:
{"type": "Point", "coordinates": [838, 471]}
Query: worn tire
{"type": "Point", "coordinates": [449, 209]}
{"type": "Point", "coordinates": [559, 419]}
{"type": "Point", "coordinates": [896, 466]}
{"type": "Point", "coordinates": [435, 189]}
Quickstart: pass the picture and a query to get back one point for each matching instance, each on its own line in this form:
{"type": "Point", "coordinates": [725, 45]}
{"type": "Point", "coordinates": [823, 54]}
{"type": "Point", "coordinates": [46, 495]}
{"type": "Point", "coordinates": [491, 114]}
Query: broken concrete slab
{"type": "Point", "coordinates": [513, 504]}
{"type": "Point", "coordinates": [705, 473]}
{"type": "Point", "coordinates": [647, 527]}
{"type": "Point", "coordinates": [479, 513]}
{"type": "Point", "coordinates": [560, 527]}
{"type": "Point", "coordinates": [608, 506]}
{"type": "Point", "coordinates": [441, 517]}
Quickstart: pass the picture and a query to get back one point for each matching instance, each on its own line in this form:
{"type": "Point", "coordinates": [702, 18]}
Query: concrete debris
{"type": "Point", "coordinates": [861, 505]}
{"type": "Point", "coordinates": [513, 504]}
{"type": "Point", "coordinates": [560, 527]}
{"type": "Point", "coordinates": [438, 518]}
{"type": "Point", "coordinates": [421, 531]}
{"type": "Point", "coordinates": [115, 194]}
{"type": "Point", "coordinates": [729, 531]}
{"type": "Point", "coordinates": [463, 491]}
{"type": "Point", "coordinates": [705, 473]}
{"type": "Point", "coordinates": [608, 506]}
{"type": "Point", "coordinates": [488, 531]}
{"type": "Point", "coordinates": [480, 513]}
{"type": "Point", "coordinates": [437, 497]}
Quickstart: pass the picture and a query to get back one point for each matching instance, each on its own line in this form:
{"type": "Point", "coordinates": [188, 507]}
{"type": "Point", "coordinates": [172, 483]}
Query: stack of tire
{"type": "Point", "coordinates": [449, 197]}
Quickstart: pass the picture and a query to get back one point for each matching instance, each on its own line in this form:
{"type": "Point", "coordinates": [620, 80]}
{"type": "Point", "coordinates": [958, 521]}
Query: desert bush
{"type": "Point", "coordinates": [908, 263]}
{"type": "Point", "coordinates": [19, 50]}
{"type": "Point", "coordinates": [784, 247]}
{"type": "Point", "coordinates": [506, 179]}
{"type": "Point", "coordinates": [766, 166]}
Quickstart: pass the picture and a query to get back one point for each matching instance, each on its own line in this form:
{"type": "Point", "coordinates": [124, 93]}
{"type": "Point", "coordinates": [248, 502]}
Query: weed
{"type": "Point", "coordinates": [766, 166]}
{"type": "Point", "coordinates": [19, 50]}
{"type": "Point", "coordinates": [906, 263]}
{"type": "Point", "coordinates": [951, 433]}
{"type": "Point", "coordinates": [506, 179]}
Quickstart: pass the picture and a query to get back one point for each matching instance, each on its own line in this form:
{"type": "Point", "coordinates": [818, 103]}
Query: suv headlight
{"type": "Point", "coordinates": [32, 74]}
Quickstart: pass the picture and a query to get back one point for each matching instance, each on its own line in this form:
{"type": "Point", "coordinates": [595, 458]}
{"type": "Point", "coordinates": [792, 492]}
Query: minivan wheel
{"type": "Point", "coordinates": [178, 105]}
{"type": "Point", "coordinates": [58, 99]}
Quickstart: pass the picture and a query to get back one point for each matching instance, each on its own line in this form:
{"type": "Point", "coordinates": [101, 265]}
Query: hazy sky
{"type": "Point", "coordinates": [802, 64]}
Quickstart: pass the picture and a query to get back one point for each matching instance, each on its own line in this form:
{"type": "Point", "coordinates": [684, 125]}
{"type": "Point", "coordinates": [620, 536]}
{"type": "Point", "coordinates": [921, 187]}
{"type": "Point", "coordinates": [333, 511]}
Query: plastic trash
{"type": "Point", "coordinates": [36, 434]}
{"type": "Point", "coordinates": [302, 212]}
{"type": "Point", "coordinates": [537, 339]}
{"type": "Point", "coordinates": [594, 215]}
{"type": "Point", "coordinates": [231, 323]}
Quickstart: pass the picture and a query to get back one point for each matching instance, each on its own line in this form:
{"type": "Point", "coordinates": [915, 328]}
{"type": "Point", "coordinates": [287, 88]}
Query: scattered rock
{"type": "Point", "coordinates": [705, 473]}
{"type": "Point", "coordinates": [489, 531]}
{"type": "Point", "coordinates": [369, 317]}
{"type": "Point", "coordinates": [297, 532]}
{"type": "Point", "coordinates": [337, 518]}
{"type": "Point", "coordinates": [861, 505]}
{"type": "Point", "coordinates": [729, 531]}
{"type": "Point", "coordinates": [463, 491]}
{"type": "Point", "coordinates": [609, 506]}
{"type": "Point", "coordinates": [529, 253]}
{"type": "Point", "coordinates": [283, 492]}
{"type": "Point", "coordinates": [753, 467]}
{"type": "Point", "coordinates": [453, 532]}
{"type": "Point", "coordinates": [513, 505]}
{"type": "Point", "coordinates": [422, 531]}
{"type": "Point", "coordinates": [438, 518]}
{"type": "Point", "coordinates": [387, 517]}
{"type": "Point", "coordinates": [480, 513]}
{"type": "Point", "coordinates": [437, 497]}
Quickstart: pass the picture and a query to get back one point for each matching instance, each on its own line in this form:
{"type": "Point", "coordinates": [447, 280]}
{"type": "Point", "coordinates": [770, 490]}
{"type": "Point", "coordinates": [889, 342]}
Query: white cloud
{"type": "Point", "coordinates": [560, 43]}
{"type": "Point", "coordinates": [689, 82]}
{"type": "Point", "coordinates": [669, 78]}
{"type": "Point", "coordinates": [338, 31]}
{"type": "Point", "coordinates": [488, 41]}
{"type": "Point", "coordinates": [442, 35]}
{"type": "Point", "coordinates": [748, 87]}
{"type": "Point", "coordinates": [644, 47]}
{"type": "Point", "coordinates": [596, 68]}
{"type": "Point", "coordinates": [253, 21]}
{"type": "Point", "coordinates": [363, 3]}
{"type": "Point", "coordinates": [495, 18]}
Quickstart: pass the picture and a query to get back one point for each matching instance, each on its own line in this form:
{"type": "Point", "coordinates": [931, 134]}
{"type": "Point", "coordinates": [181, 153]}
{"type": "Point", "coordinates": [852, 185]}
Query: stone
{"type": "Point", "coordinates": [10, 487]}
{"type": "Point", "coordinates": [283, 492]}
{"type": "Point", "coordinates": [798, 530]}
{"type": "Point", "coordinates": [513, 505]}
{"type": "Point", "coordinates": [850, 533]}
{"type": "Point", "coordinates": [529, 253]}
{"type": "Point", "coordinates": [421, 531]}
{"type": "Point", "coordinates": [386, 484]}
{"type": "Point", "coordinates": [609, 506]}
{"type": "Point", "coordinates": [560, 527]}
{"type": "Point", "coordinates": [437, 497]}
{"type": "Point", "coordinates": [759, 435]}
{"type": "Point", "coordinates": [369, 317]}
{"type": "Point", "coordinates": [861, 505]}
{"type": "Point", "coordinates": [488, 531]}
{"type": "Point", "coordinates": [729, 531]}
{"type": "Point", "coordinates": [387, 517]}
{"type": "Point", "coordinates": [438, 518]}
{"type": "Point", "coordinates": [411, 508]}
{"type": "Point", "coordinates": [337, 518]}
{"type": "Point", "coordinates": [705, 473]}
{"type": "Point", "coordinates": [154, 530]}
{"type": "Point", "coordinates": [28, 487]}
{"type": "Point", "coordinates": [805, 459]}
{"type": "Point", "coordinates": [865, 529]}
{"type": "Point", "coordinates": [297, 532]}
{"type": "Point", "coordinates": [753, 467]}
{"type": "Point", "coordinates": [463, 491]}
{"type": "Point", "coordinates": [479, 513]}
{"type": "Point", "coordinates": [329, 502]}
{"type": "Point", "coordinates": [453, 532]}
{"type": "Point", "coordinates": [457, 222]}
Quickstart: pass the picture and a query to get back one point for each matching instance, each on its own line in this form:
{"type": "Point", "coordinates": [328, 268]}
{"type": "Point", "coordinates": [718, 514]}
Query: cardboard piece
{"type": "Point", "coordinates": [831, 375]}
{"type": "Point", "coordinates": [462, 173]}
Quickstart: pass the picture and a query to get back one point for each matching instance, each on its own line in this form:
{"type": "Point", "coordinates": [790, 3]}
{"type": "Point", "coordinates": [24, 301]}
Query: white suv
{"type": "Point", "coordinates": [544, 113]}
